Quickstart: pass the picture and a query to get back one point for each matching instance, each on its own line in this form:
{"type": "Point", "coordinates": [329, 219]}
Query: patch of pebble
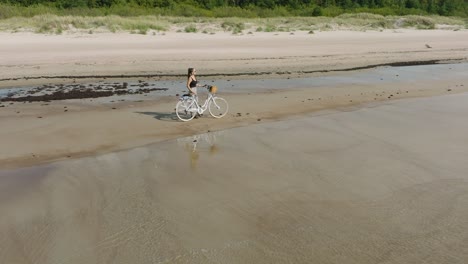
{"type": "Point", "coordinates": [47, 93]}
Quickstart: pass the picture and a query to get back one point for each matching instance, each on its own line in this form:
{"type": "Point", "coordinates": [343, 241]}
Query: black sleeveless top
{"type": "Point", "coordinates": [193, 84]}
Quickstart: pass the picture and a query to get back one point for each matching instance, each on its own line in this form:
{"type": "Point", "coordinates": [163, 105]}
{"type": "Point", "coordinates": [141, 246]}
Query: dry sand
{"type": "Point", "coordinates": [29, 55]}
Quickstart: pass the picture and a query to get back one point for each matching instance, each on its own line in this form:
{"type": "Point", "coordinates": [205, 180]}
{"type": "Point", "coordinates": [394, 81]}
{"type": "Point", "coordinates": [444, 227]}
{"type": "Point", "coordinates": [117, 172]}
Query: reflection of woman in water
{"type": "Point", "coordinates": [194, 155]}
{"type": "Point", "coordinates": [193, 150]}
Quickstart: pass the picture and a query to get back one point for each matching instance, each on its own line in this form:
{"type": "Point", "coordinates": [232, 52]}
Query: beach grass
{"type": "Point", "coordinates": [56, 24]}
{"type": "Point", "coordinates": [60, 24]}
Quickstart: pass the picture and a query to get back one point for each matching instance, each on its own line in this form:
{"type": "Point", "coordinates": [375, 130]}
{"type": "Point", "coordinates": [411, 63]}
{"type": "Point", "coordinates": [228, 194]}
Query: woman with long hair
{"type": "Point", "coordinates": [192, 82]}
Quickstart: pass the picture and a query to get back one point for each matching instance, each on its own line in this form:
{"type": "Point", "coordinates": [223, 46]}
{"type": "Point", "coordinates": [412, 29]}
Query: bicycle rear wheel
{"type": "Point", "coordinates": [182, 110]}
{"type": "Point", "coordinates": [218, 107]}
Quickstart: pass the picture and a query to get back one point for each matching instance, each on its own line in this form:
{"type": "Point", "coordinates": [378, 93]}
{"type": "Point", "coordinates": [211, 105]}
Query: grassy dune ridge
{"type": "Point", "coordinates": [55, 24]}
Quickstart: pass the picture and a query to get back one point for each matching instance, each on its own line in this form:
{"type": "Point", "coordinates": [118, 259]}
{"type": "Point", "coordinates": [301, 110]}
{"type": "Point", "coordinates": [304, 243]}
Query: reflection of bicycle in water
{"type": "Point", "coordinates": [197, 143]}
{"type": "Point", "coordinates": [188, 106]}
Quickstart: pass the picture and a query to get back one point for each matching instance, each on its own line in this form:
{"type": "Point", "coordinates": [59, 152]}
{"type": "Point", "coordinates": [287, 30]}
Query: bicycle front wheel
{"type": "Point", "coordinates": [182, 110]}
{"type": "Point", "coordinates": [218, 107]}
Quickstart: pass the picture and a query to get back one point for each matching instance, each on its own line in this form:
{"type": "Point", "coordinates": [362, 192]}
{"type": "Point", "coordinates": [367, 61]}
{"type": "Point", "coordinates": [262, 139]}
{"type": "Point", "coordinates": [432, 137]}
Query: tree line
{"type": "Point", "coordinates": [282, 7]}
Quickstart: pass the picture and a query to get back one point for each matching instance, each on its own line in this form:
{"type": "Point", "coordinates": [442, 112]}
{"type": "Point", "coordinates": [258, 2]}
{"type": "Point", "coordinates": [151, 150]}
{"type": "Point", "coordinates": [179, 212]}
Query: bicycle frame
{"type": "Point", "coordinates": [189, 105]}
{"type": "Point", "coordinates": [201, 109]}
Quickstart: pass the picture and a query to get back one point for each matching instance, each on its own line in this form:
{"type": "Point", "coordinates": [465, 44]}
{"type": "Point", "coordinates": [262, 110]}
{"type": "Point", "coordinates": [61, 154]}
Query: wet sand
{"type": "Point", "coordinates": [39, 132]}
{"type": "Point", "coordinates": [382, 183]}
{"type": "Point", "coordinates": [344, 167]}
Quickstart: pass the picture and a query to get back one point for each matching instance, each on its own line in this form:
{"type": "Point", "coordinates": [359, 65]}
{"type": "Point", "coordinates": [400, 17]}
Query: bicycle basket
{"type": "Point", "coordinates": [213, 89]}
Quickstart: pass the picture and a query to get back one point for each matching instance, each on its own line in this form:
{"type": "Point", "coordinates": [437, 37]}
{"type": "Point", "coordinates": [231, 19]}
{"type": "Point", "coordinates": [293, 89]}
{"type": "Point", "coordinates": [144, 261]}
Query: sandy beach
{"type": "Point", "coordinates": [27, 55]}
{"type": "Point", "coordinates": [384, 183]}
{"type": "Point", "coordinates": [42, 131]}
{"type": "Point", "coordinates": [334, 150]}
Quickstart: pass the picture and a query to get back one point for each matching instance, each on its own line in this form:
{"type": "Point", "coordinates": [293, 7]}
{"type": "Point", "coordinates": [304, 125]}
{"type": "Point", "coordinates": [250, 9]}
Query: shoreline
{"type": "Point", "coordinates": [40, 132]}
{"type": "Point", "coordinates": [30, 59]}
{"type": "Point", "coordinates": [44, 132]}
{"type": "Point", "coordinates": [242, 75]}
{"type": "Point", "coordinates": [362, 166]}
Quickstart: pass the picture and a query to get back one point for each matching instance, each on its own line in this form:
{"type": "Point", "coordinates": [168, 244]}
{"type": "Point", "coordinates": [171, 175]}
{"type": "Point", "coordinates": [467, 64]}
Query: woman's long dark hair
{"type": "Point", "coordinates": [190, 71]}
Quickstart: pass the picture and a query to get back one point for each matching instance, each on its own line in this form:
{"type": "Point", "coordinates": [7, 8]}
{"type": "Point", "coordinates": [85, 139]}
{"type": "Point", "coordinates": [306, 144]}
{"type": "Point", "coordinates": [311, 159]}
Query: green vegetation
{"type": "Point", "coordinates": [232, 8]}
{"type": "Point", "coordinates": [235, 16]}
{"type": "Point", "coordinates": [190, 29]}
{"type": "Point", "coordinates": [236, 28]}
{"type": "Point", "coordinates": [54, 24]}
{"type": "Point", "coordinates": [57, 24]}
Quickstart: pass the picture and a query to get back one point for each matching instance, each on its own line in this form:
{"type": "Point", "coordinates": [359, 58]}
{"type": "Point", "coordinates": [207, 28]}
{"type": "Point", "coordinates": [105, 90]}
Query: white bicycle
{"type": "Point", "coordinates": [187, 107]}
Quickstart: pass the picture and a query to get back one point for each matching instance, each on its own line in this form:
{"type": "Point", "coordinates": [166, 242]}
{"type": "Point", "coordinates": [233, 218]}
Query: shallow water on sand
{"type": "Point", "coordinates": [373, 76]}
{"type": "Point", "coordinates": [385, 183]}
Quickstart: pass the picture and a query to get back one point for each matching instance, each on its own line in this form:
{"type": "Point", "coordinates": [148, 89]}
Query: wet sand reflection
{"type": "Point", "coordinates": [385, 184]}
{"type": "Point", "coordinates": [197, 144]}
